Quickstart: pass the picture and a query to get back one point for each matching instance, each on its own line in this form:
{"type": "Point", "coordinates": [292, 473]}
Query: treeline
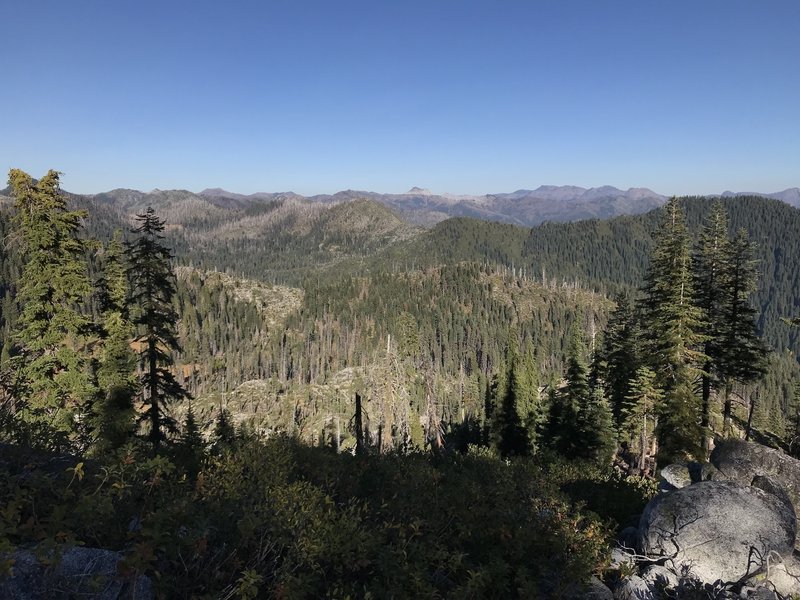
{"type": "Point", "coordinates": [87, 365]}
{"type": "Point", "coordinates": [612, 256]}
{"type": "Point", "coordinates": [662, 382]}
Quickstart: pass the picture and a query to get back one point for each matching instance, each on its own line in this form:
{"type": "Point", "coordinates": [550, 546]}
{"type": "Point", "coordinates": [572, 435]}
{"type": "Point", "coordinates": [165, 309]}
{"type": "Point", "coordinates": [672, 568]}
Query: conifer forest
{"type": "Point", "coordinates": [286, 398]}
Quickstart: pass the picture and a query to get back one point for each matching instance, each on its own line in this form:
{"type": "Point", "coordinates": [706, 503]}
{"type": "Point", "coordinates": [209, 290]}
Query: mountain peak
{"type": "Point", "coordinates": [419, 191]}
{"type": "Point", "coordinates": [214, 192]}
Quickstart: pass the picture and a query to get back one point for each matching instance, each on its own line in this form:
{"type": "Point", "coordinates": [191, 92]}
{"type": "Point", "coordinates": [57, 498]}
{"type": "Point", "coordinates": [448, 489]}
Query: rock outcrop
{"type": "Point", "coordinates": [726, 528]}
{"type": "Point", "coordinates": [717, 530]}
{"type": "Point", "coordinates": [742, 461]}
{"type": "Point", "coordinates": [75, 572]}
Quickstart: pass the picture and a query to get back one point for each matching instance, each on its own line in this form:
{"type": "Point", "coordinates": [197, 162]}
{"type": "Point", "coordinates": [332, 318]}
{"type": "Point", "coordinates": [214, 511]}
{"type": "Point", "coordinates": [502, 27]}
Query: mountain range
{"type": "Point", "coordinates": [522, 207]}
{"type": "Point", "coordinates": [419, 206]}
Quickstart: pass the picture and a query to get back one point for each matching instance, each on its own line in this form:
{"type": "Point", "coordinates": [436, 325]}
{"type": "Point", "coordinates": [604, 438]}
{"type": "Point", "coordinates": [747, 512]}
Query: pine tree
{"type": "Point", "coordinates": [568, 418]}
{"type": "Point", "coordinates": [710, 287]}
{"type": "Point", "coordinates": [190, 447]}
{"type": "Point", "coordinates": [510, 434]}
{"type": "Point", "coordinates": [152, 289]}
{"type": "Point", "coordinates": [640, 416]}
{"type": "Point", "coordinates": [620, 355]}
{"type": "Point", "coordinates": [671, 325]}
{"type": "Point", "coordinates": [224, 432]}
{"type": "Point", "coordinates": [114, 414]}
{"type": "Point", "coordinates": [743, 354]}
{"type": "Point", "coordinates": [54, 333]}
{"type": "Point", "coordinates": [529, 403]}
{"type": "Point", "coordinates": [793, 425]}
{"type": "Point", "coordinates": [597, 427]}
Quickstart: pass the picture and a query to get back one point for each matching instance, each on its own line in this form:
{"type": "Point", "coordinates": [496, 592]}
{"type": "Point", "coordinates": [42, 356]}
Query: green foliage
{"type": "Point", "coordinates": [620, 355]}
{"type": "Point", "coordinates": [152, 289]}
{"type": "Point", "coordinates": [673, 324]}
{"type": "Point", "coordinates": [508, 433]}
{"type": "Point", "coordinates": [114, 415]}
{"type": "Point", "coordinates": [276, 518]}
{"type": "Point", "coordinates": [580, 421]}
{"type": "Point", "coordinates": [52, 332]}
{"type": "Point", "coordinates": [640, 412]}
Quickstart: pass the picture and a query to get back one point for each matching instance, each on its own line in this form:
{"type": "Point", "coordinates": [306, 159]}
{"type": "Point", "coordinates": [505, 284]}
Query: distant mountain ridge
{"type": "Point", "coordinates": [522, 207]}
{"type": "Point", "coordinates": [420, 206]}
{"type": "Point", "coordinates": [791, 195]}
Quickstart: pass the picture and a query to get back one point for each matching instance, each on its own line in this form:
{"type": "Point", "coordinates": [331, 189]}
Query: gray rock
{"type": "Point", "coordinates": [628, 538]}
{"type": "Point", "coordinates": [742, 461]}
{"type": "Point", "coordinates": [717, 529]}
{"type": "Point", "coordinates": [758, 593]}
{"type": "Point", "coordinates": [771, 486]}
{"type": "Point", "coordinates": [708, 472]}
{"type": "Point", "coordinates": [677, 475]}
{"type": "Point", "coordinates": [635, 588]}
{"type": "Point", "coordinates": [784, 578]}
{"type": "Point", "coordinates": [89, 573]}
{"type": "Point", "coordinates": [665, 486]}
{"type": "Point", "coordinates": [596, 590]}
{"type": "Point", "coordinates": [621, 559]}
{"type": "Point", "coordinates": [658, 577]}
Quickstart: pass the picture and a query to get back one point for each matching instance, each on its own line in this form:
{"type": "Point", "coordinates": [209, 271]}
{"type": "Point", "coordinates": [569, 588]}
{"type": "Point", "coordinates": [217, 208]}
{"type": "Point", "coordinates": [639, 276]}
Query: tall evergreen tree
{"type": "Point", "coordinates": [529, 403]}
{"type": "Point", "coordinates": [672, 327]}
{"type": "Point", "coordinates": [152, 288]}
{"type": "Point", "coordinates": [620, 355]}
{"type": "Point", "coordinates": [640, 417]}
{"type": "Point", "coordinates": [710, 288]}
{"type": "Point", "coordinates": [190, 446]}
{"type": "Point", "coordinates": [580, 420]}
{"type": "Point", "coordinates": [114, 413]}
{"type": "Point", "coordinates": [509, 434]}
{"type": "Point", "coordinates": [793, 425]}
{"type": "Point", "coordinates": [743, 354]}
{"type": "Point", "coordinates": [54, 332]}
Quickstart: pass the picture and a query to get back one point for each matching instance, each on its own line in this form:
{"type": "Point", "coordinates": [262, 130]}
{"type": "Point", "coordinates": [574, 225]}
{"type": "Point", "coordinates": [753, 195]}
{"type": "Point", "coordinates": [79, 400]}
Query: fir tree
{"type": "Point", "coordinates": [529, 404]}
{"type": "Point", "coordinates": [793, 425]}
{"type": "Point", "coordinates": [190, 447]}
{"type": "Point", "coordinates": [510, 436]}
{"type": "Point", "coordinates": [710, 286]}
{"type": "Point", "coordinates": [114, 414]}
{"type": "Point", "coordinates": [224, 431]}
{"type": "Point", "coordinates": [567, 416]}
{"type": "Point", "coordinates": [53, 332]}
{"type": "Point", "coordinates": [620, 355]}
{"type": "Point", "coordinates": [742, 353]}
{"type": "Point", "coordinates": [672, 328]}
{"type": "Point", "coordinates": [640, 417]}
{"type": "Point", "coordinates": [152, 289]}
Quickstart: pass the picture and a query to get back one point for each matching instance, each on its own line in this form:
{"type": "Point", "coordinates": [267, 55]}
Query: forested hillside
{"type": "Point", "coordinates": [179, 352]}
{"type": "Point", "coordinates": [612, 255]}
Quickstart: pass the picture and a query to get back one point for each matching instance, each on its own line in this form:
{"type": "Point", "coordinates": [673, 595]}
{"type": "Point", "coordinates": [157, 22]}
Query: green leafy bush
{"type": "Point", "coordinates": [278, 519]}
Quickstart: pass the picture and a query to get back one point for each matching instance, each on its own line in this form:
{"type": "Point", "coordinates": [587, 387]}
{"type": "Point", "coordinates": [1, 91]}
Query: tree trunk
{"type": "Point", "coordinates": [155, 425]}
{"type": "Point", "coordinates": [727, 428]}
{"type": "Point", "coordinates": [705, 415]}
{"type": "Point", "coordinates": [753, 400]}
{"type": "Point", "coordinates": [359, 427]}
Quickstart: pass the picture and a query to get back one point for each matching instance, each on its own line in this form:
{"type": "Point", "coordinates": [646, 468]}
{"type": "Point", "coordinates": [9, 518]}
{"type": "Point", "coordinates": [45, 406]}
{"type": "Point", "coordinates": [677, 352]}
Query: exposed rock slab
{"type": "Point", "coordinates": [677, 475]}
{"type": "Point", "coordinates": [87, 573]}
{"type": "Point", "coordinates": [717, 529]}
{"type": "Point", "coordinates": [742, 461]}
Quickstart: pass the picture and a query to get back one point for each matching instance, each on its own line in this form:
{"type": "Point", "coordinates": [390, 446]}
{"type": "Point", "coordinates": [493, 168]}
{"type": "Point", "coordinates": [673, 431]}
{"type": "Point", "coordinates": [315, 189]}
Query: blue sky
{"type": "Point", "coordinates": [453, 95]}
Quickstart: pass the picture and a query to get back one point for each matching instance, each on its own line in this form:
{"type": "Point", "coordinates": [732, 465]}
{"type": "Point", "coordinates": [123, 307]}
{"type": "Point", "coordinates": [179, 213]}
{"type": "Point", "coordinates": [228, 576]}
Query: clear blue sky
{"type": "Point", "coordinates": [467, 97]}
